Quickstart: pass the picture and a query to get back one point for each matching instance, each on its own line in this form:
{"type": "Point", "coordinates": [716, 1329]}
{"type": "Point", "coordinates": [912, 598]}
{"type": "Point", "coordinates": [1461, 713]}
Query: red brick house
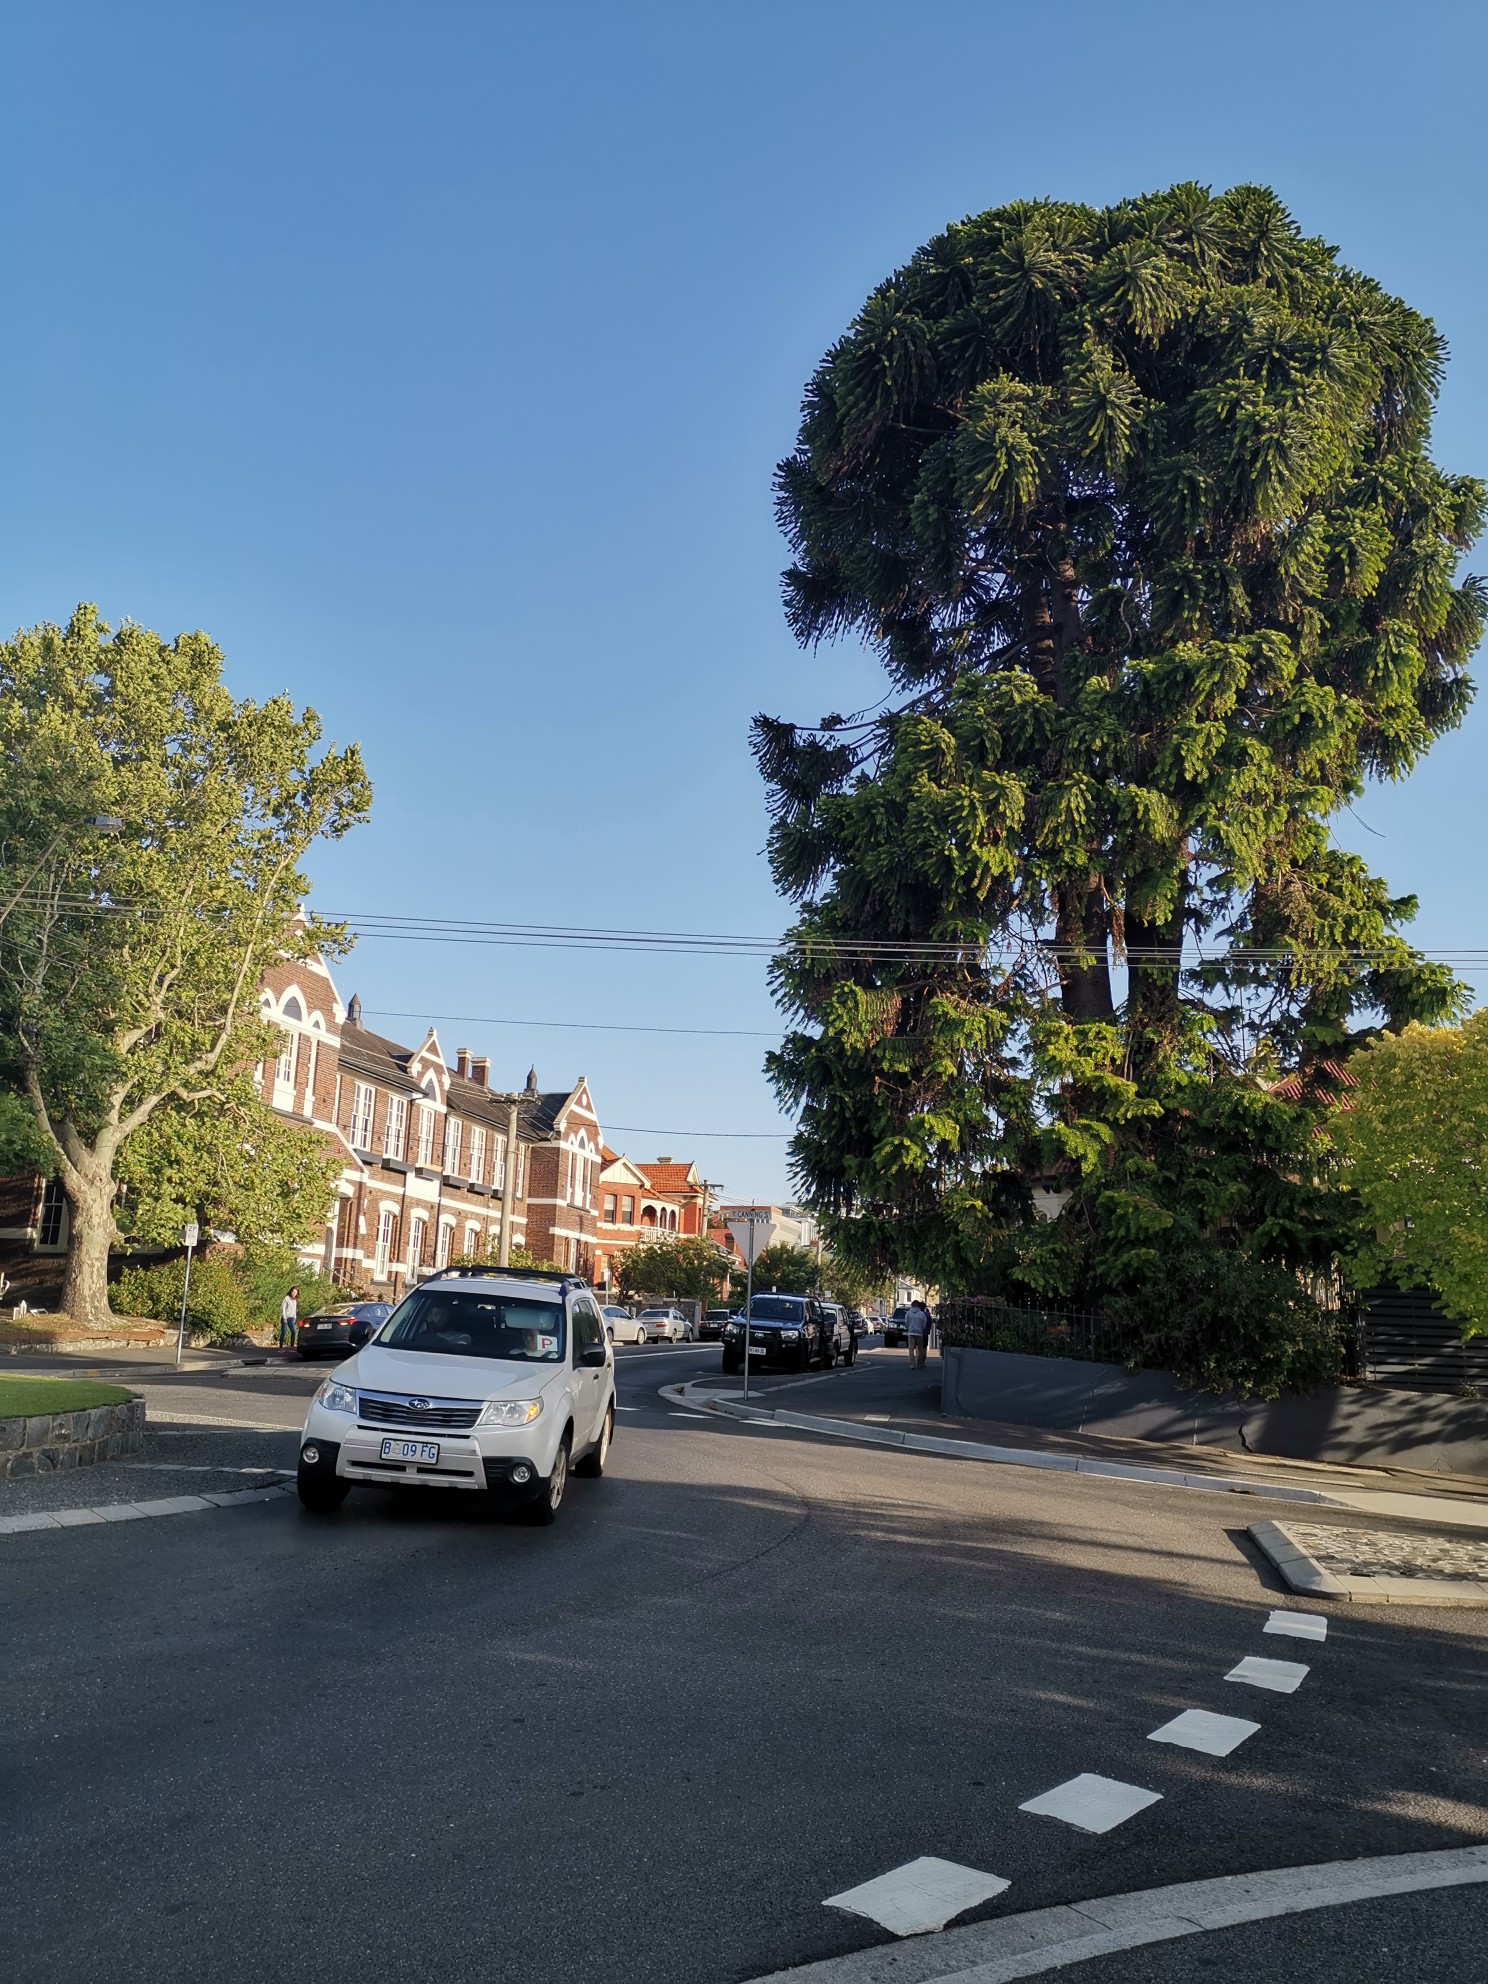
{"type": "Point", "coordinates": [640, 1203]}
{"type": "Point", "coordinates": [438, 1165]}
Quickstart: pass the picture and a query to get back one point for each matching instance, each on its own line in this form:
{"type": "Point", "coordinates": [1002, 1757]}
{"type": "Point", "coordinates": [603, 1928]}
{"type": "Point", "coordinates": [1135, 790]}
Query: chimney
{"type": "Point", "coordinates": [462, 1062]}
{"type": "Point", "coordinates": [480, 1070]}
{"type": "Point", "coordinates": [663, 1160]}
{"type": "Point", "coordinates": [354, 1010]}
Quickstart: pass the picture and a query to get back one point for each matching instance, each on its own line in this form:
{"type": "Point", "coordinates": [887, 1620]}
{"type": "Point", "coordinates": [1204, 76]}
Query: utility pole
{"type": "Point", "coordinates": [509, 1183]}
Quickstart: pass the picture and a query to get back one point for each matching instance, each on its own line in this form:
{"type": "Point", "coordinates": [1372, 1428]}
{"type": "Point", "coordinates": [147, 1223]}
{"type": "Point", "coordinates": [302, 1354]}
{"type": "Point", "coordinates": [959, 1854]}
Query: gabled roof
{"type": "Point", "coordinates": [672, 1177]}
{"type": "Point", "coordinates": [366, 1053]}
{"type": "Point", "coordinates": [620, 1170]}
{"type": "Point", "coordinates": [487, 1105]}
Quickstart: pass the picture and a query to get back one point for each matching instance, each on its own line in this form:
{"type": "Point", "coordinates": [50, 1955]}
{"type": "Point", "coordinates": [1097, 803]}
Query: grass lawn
{"type": "Point", "coordinates": [21, 1397]}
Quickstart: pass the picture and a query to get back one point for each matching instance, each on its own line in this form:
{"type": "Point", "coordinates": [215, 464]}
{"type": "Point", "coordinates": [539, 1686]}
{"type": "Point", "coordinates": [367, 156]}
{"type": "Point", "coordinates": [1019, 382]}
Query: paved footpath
{"type": "Point", "coordinates": [748, 1675]}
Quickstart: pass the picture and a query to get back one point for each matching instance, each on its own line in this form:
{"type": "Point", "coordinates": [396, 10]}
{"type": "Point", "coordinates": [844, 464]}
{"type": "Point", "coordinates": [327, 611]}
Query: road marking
{"type": "Point", "coordinates": [1298, 1625]}
{"type": "Point", "coordinates": [1092, 1804]}
{"type": "Point", "coordinates": [1284, 1677]}
{"type": "Point", "coordinates": [1045, 1939]}
{"type": "Point", "coordinates": [687, 1415]}
{"type": "Point", "coordinates": [922, 1895]}
{"type": "Point", "coordinates": [1197, 1729]}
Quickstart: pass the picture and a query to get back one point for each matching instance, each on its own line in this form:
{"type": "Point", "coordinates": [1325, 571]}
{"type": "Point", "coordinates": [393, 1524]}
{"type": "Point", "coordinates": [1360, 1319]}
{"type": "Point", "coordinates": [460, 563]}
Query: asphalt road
{"type": "Point", "coordinates": [744, 1672]}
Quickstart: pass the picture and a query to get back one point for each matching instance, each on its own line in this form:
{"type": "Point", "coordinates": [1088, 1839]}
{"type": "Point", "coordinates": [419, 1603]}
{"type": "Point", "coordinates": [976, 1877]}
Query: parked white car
{"type": "Point", "coordinates": [664, 1326]}
{"type": "Point", "coordinates": [621, 1326]}
{"type": "Point", "coordinates": [488, 1379]}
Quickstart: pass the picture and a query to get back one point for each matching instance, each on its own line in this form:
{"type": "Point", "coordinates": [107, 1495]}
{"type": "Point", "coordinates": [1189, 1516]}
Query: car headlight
{"type": "Point", "coordinates": [791, 1336]}
{"type": "Point", "coordinates": [336, 1397]}
{"type": "Point", "coordinates": [731, 1329]}
{"type": "Point", "coordinates": [510, 1412]}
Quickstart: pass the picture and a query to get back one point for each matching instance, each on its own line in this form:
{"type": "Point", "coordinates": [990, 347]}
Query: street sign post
{"type": "Point", "coordinates": [754, 1216]}
{"type": "Point", "coordinates": [190, 1234]}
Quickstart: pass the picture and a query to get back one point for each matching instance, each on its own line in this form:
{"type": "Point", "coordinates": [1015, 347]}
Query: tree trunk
{"type": "Point", "coordinates": [1084, 990]}
{"type": "Point", "coordinates": [1153, 1006]}
{"type": "Point", "coordinates": [90, 1196]}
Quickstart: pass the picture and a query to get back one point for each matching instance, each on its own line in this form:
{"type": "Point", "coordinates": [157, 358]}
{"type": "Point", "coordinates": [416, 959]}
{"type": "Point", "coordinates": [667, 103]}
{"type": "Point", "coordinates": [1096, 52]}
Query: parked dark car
{"type": "Point", "coordinates": [340, 1330]}
{"type": "Point", "coordinates": [788, 1331]}
{"type": "Point", "coordinates": [894, 1330]}
{"type": "Point", "coordinates": [713, 1325]}
{"type": "Point", "coordinates": [844, 1336]}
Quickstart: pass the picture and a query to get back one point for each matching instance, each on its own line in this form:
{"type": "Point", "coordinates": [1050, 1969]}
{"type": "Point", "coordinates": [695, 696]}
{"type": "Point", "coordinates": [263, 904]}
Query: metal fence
{"type": "Point", "coordinates": [986, 1322]}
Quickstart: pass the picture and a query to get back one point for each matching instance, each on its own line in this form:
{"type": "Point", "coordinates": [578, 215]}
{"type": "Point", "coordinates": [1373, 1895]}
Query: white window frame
{"type": "Point", "coordinates": [395, 1129]}
{"type": "Point", "coordinates": [386, 1220]}
{"type": "Point", "coordinates": [450, 1157]}
{"type": "Point", "coordinates": [498, 1164]}
{"type": "Point", "coordinates": [363, 1114]}
{"type": "Point", "coordinates": [445, 1245]}
{"type": "Point", "coordinates": [426, 1135]}
{"type": "Point", "coordinates": [477, 1154]}
{"type": "Point", "coordinates": [471, 1246]}
{"type": "Point", "coordinates": [418, 1239]}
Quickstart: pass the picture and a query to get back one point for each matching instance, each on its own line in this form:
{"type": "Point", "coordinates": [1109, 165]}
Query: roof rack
{"type": "Point", "coordinates": [512, 1274]}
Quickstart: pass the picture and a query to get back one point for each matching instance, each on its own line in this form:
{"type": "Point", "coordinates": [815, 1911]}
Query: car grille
{"type": "Point", "coordinates": [441, 1415]}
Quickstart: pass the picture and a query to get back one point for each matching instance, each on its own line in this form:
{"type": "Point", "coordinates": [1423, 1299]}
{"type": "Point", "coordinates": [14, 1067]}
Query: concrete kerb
{"type": "Point", "coordinates": [689, 1396]}
{"type": "Point", "coordinates": [171, 1505]}
{"type": "Point", "coordinates": [1302, 1572]}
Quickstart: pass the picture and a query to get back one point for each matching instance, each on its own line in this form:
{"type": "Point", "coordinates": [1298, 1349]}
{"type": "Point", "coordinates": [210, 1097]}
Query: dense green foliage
{"type": "Point", "coordinates": [130, 960]}
{"type": "Point", "coordinates": [1415, 1141]}
{"type": "Point", "coordinates": [230, 1164]}
{"type": "Point", "coordinates": [231, 1291]}
{"type": "Point", "coordinates": [1137, 509]}
{"type": "Point", "coordinates": [790, 1270]}
{"type": "Point", "coordinates": [688, 1270]}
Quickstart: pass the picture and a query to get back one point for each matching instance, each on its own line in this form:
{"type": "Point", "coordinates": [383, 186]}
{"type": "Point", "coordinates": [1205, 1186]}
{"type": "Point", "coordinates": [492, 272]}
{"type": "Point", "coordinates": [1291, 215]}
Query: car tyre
{"type": "Point", "coordinates": [545, 1508]}
{"type": "Point", "coordinates": [320, 1496]}
{"type": "Point", "coordinates": [592, 1466]}
{"type": "Point", "coordinates": [731, 1363]}
{"type": "Point", "coordinates": [828, 1356]}
{"type": "Point", "coordinates": [850, 1355]}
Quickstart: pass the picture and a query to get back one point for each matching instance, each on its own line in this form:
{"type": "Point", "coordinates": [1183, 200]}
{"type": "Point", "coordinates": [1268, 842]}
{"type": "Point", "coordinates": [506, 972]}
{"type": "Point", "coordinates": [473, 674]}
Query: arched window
{"type": "Point", "coordinates": [292, 1009]}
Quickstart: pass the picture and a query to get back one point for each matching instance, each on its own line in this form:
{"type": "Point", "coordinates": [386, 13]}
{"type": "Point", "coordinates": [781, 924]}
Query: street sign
{"type": "Point", "coordinates": [190, 1234]}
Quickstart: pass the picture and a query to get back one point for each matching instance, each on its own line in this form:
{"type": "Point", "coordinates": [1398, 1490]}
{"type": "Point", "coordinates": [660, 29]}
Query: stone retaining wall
{"type": "Point", "coordinates": [50, 1441]}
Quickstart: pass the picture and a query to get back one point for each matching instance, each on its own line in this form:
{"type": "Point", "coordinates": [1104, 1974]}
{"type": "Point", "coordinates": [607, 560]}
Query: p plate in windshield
{"type": "Point", "coordinates": [465, 1322]}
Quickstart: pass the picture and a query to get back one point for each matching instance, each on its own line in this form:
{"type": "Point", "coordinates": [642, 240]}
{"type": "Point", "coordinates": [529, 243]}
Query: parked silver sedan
{"type": "Point", "coordinates": [664, 1326]}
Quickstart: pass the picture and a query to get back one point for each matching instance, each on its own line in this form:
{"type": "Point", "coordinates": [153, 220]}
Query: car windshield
{"type": "Point", "coordinates": [653, 1312]}
{"type": "Point", "coordinates": [469, 1322]}
{"type": "Point", "coordinates": [776, 1309]}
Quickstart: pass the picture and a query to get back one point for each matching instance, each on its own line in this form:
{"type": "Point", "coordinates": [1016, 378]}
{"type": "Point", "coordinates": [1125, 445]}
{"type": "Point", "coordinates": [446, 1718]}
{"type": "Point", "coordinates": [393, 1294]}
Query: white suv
{"type": "Point", "coordinates": [482, 1378]}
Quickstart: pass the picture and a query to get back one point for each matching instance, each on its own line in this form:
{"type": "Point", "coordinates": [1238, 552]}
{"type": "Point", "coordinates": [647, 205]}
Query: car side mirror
{"type": "Point", "coordinates": [358, 1334]}
{"type": "Point", "coordinates": [593, 1353]}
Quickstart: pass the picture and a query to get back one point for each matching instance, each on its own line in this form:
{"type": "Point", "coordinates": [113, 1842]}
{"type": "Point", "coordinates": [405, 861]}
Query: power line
{"type": "Point", "coordinates": [577, 1026]}
{"type": "Point", "coordinates": [746, 1136]}
{"type": "Point", "coordinates": [844, 949]}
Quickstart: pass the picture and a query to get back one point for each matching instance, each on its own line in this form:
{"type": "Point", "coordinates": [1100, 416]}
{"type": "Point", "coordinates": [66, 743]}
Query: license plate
{"type": "Point", "coordinates": [322, 1326]}
{"type": "Point", "coordinates": [758, 1350]}
{"type": "Point", "coordinates": [421, 1450]}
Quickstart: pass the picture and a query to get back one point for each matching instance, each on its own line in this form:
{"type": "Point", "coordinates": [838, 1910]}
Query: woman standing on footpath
{"type": "Point", "coordinates": [289, 1319]}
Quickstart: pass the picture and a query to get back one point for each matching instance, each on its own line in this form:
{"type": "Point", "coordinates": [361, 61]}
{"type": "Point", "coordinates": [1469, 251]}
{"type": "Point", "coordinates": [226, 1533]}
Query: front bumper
{"type": "Point", "coordinates": [779, 1355]}
{"type": "Point", "coordinates": [311, 1341]}
{"type": "Point", "coordinates": [488, 1459]}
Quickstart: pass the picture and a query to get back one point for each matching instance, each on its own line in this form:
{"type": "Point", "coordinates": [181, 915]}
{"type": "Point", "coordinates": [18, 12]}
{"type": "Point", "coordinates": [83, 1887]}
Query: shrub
{"type": "Point", "coordinates": [268, 1273]}
{"type": "Point", "coordinates": [216, 1307]}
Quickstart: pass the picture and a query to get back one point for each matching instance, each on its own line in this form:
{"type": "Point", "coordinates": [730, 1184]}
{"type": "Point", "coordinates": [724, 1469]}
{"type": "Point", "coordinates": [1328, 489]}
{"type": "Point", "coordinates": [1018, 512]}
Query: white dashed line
{"type": "Point", "coordinates": [1298, 1625]}
{"type": "Point", "coordinates": [922, 1895]}
{"type": "Point", "coordinates": [1092, 1804]}
{"type": "Point", "coordinates": [1283, 1677]}
{"type": "Point", "coordinates": [1197, 1729]}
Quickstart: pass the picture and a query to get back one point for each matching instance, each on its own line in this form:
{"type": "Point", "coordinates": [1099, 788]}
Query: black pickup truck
{"type": "Point", "coordinates": [788, 1332]}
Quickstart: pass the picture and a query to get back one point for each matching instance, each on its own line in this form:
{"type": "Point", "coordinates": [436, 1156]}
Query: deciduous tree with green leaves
{"type": "Point", "coordinates": [690, 1270]}
{"type": "Point", "coordinates": [1136, 506]}
{"type": "Point", "coordinates": [130, 963]}
{"type": "Point", "coordinates": [1414, 1140]}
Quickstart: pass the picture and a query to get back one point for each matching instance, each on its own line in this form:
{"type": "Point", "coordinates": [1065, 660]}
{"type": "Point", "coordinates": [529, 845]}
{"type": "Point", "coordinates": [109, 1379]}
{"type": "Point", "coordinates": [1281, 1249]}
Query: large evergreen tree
{"type": "Point", "coordinates": [1137, 509]}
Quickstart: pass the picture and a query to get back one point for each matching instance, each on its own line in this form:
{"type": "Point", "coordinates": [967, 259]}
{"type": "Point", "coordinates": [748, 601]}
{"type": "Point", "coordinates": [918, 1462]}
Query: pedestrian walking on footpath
{"type": "Point", "coordinates": [917, 1331]}
{"type": "Point", "coordinates": [289, 1319]}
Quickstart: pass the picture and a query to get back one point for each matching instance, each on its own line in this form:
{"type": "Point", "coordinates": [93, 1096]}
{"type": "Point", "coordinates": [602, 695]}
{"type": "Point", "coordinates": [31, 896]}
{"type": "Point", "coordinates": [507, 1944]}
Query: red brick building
{"type": "Point", "coordinates": [641, 1203]}
{"type": "Point", "coordinates": [437, 1164]}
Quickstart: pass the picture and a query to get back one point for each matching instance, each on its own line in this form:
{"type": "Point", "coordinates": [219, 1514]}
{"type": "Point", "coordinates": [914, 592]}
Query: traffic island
{"type": "Point", "coordinates": [49, 1424]}
{"type": "Point", "coordinates": [1375, 1566]}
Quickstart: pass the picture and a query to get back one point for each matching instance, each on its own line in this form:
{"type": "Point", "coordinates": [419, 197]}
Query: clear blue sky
{"type": "Point", "coordinates": [435, 359]}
